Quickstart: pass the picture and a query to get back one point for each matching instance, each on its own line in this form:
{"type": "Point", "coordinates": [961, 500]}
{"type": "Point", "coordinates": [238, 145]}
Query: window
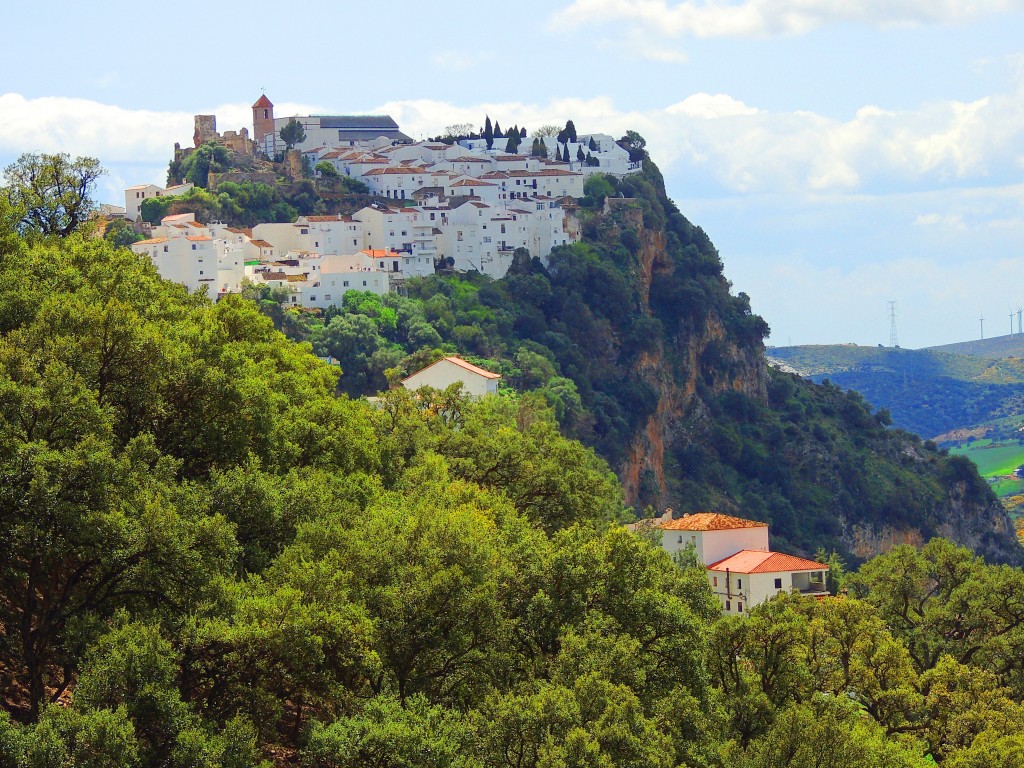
{"type": "Point", "coordinates": [166, 249]}
{"type": "Point", "coordinates": [778, 583]}
{"type": "Point", "coordinates": [193, 246]}
{"type": "Point", "coordinates": [312, 298]}
{"type": "Point", "coordinates": [739, 607]}
{"type": "Point", "coordinates": [728, 605]}
{"type": "Point", "coordinates": [345, 284]}
{"type": "Point", "coordinates": [364, 283]}
{"type": "Point", "coordinates": [354, 242]}
{"type": "Point", "coordinates": [714, 581]}
{"type": "Point", "coordinates": [304, 231]}
{"type": "Point", "coordinates": [200, 271]}
{"type": "Point", "coordinates": [739, 583]}
{"type": "Point", "coordinates": [327, 296]}
{"type": "Point", "coordinates": [680, 539]}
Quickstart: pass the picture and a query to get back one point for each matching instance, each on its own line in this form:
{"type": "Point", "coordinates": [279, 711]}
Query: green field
{"type": "Point", "coordinates": [996, 460]}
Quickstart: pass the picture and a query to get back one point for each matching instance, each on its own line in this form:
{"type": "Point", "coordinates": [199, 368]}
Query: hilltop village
{"type": "Point", "coordinates": [468, 205]}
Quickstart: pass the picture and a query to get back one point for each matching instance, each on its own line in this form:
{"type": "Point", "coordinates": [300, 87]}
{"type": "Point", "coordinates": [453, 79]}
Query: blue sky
{"type": "Point", "coordinates": [839, 155]}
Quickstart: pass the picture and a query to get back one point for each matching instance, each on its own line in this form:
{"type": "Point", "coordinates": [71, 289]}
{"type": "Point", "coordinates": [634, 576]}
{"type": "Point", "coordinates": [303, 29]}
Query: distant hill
{"type": "Point", "coordinates": [995, 348]}
{"type": "Point", "coordinates": [928, 391]}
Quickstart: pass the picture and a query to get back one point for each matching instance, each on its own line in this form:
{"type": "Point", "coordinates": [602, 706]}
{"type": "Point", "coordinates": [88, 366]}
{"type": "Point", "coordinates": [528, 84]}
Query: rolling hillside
{"type": "Point", "coordinates": [933, 392]}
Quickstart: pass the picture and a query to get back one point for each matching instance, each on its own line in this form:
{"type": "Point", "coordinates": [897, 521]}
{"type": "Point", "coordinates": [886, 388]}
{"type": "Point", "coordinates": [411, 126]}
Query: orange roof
{"type": "Point", "coordinates": [707, 521]}
{"type": "Point", "coordinates": [472, 183]}
{"type": "Point", "coordinates": [472, 368]}
{"type": "Point", "coordinates": [262, 103]}
{"type": "Point", "coordinates": [394, 169]}
{"type": "Point", "coordinates": [198, 238]}
{"type": "Point", "coordinates": [151, 241]}
{"type": "Point", "coordinates": [261, 243]}
{"type": "Point", "coordinates": [753, 561]}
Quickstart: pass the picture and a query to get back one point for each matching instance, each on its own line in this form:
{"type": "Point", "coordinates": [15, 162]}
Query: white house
{"type": "Point", "coordinates": [135, 196]}
{"type": "Point", "coordinates": [750, 577]}
{"type": "Point", "coordinates": [448, 370]}
{"type": "Point", "coordinates": [742, 571]}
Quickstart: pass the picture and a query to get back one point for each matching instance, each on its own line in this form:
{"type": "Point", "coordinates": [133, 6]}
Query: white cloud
{"type": "Point", "coordinates": [722, 145]}
{"type": "Point", "coordinates": [770, 18]}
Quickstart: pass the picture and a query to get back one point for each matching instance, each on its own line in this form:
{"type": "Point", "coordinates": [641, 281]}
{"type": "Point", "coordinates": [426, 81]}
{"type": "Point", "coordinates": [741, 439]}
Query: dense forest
{"type": "Point", "coordinates": [213, 558]}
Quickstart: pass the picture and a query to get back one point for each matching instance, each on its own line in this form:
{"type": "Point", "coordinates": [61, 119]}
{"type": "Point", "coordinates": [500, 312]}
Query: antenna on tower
{"type": "Point", "coordinates": [894, 340]}
{"type": "Point", "coordinates": [981, 320]}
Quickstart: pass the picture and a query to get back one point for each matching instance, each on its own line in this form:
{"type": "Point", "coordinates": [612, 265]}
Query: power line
{"type": "Point", "coordinates": [894, 340]}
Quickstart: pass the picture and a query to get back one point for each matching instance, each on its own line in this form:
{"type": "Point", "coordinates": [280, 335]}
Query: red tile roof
{"type": "Point", "coordinates": [261, 244]}
{"type": "Point", "coordinates": [262, 103]}
{"type": "Point", "coordinates": [707, 521]}
{"type": "Point", "coordinates": [753, 561]}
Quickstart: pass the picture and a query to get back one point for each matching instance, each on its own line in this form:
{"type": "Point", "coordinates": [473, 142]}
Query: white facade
{"type": "Point", "coordinates": [742, 570]}
{"type": "Point", "coordinates": [448, 370]}
{"type": "Point", "coordinates": [135, 196]}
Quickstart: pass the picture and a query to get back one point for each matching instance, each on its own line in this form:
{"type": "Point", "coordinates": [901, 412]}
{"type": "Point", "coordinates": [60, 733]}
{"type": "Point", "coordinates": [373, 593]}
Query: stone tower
{"type": "Point", "coordinates": [262, 119]}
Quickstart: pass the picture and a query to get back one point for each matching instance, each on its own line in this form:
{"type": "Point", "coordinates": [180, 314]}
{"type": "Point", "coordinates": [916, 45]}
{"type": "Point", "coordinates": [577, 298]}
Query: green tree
{"type": "Point", "coordinates": [293, 133]}
{"type": "Point", "coordinates": [52, 194]}
{"type": "Point", "coordinates": [592, 146]}
{"type": "Point", "coordinates": [120, 234]}
{"type": "Point", "coordinates": [570, 131]}
{"type": "Point", "coordinates": [579, 154]}
{"type": "Point", "coordinates": [326, 170]}
{"type": "Point", "coordinates": [488, 132]}
{"type": "Point", "coordinates": [198, 164]}
{"type": "Point", "coordinates": [635, 144]}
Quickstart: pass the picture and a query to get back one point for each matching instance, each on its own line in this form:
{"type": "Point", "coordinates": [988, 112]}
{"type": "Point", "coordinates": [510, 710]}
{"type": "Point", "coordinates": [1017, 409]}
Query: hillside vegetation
{"type": "Point", "coordinates": [212, 560]}
{"type": "Point", "coordinates": [932, 392]}
{"type": "Point", "coordinates": [634, 340]}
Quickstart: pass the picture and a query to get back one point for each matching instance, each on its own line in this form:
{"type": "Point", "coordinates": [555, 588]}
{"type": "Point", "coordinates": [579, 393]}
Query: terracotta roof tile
{"type": "Point", "coordinates": [707, 521]}
{"type": "Point", "coordinates": [754, 561]}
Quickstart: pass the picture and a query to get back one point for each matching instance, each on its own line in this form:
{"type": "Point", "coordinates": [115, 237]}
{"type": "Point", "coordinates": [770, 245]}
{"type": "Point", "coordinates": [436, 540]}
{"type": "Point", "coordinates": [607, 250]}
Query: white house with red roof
{"type": "Point", "coordinates": [742, 570]}
{"type": "Point", "coordinates": [476, 381]}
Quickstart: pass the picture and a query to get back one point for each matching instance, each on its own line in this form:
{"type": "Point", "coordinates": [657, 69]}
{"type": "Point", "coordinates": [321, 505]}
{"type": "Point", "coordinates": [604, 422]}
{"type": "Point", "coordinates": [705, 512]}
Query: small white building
{"type": "Point", "coordinates": [135, 196]}
{"type": "Point", "coordinates": [476, 382]}
{"type": "Point", "coordinates": [749, 577]}
{"type": "Point", "coordinates": [743, 572]}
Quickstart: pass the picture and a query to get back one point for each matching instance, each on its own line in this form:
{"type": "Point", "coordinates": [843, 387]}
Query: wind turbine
{"type": "Point", "coordinates": [981, 320]}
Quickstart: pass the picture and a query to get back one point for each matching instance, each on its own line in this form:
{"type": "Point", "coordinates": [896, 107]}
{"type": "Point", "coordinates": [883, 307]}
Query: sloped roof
{"type": "Point", "coordinates": [462, 364]}
{"type": "Point", "coordinates": [262, 103]}
{"type": "Point", "coordinates": [707, 521]}
{"type": "Point", "coordinates": [358, 122]}
{"type": "Point", "coordinates": [753, 561]}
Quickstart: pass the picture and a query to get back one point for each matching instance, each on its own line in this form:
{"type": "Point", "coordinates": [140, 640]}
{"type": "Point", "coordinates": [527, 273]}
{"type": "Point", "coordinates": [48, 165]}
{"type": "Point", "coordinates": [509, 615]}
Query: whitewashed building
{"type": "Point", "coordinates": [449, 370]}
{"type": "Point", "coordinates": [742, 570]}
